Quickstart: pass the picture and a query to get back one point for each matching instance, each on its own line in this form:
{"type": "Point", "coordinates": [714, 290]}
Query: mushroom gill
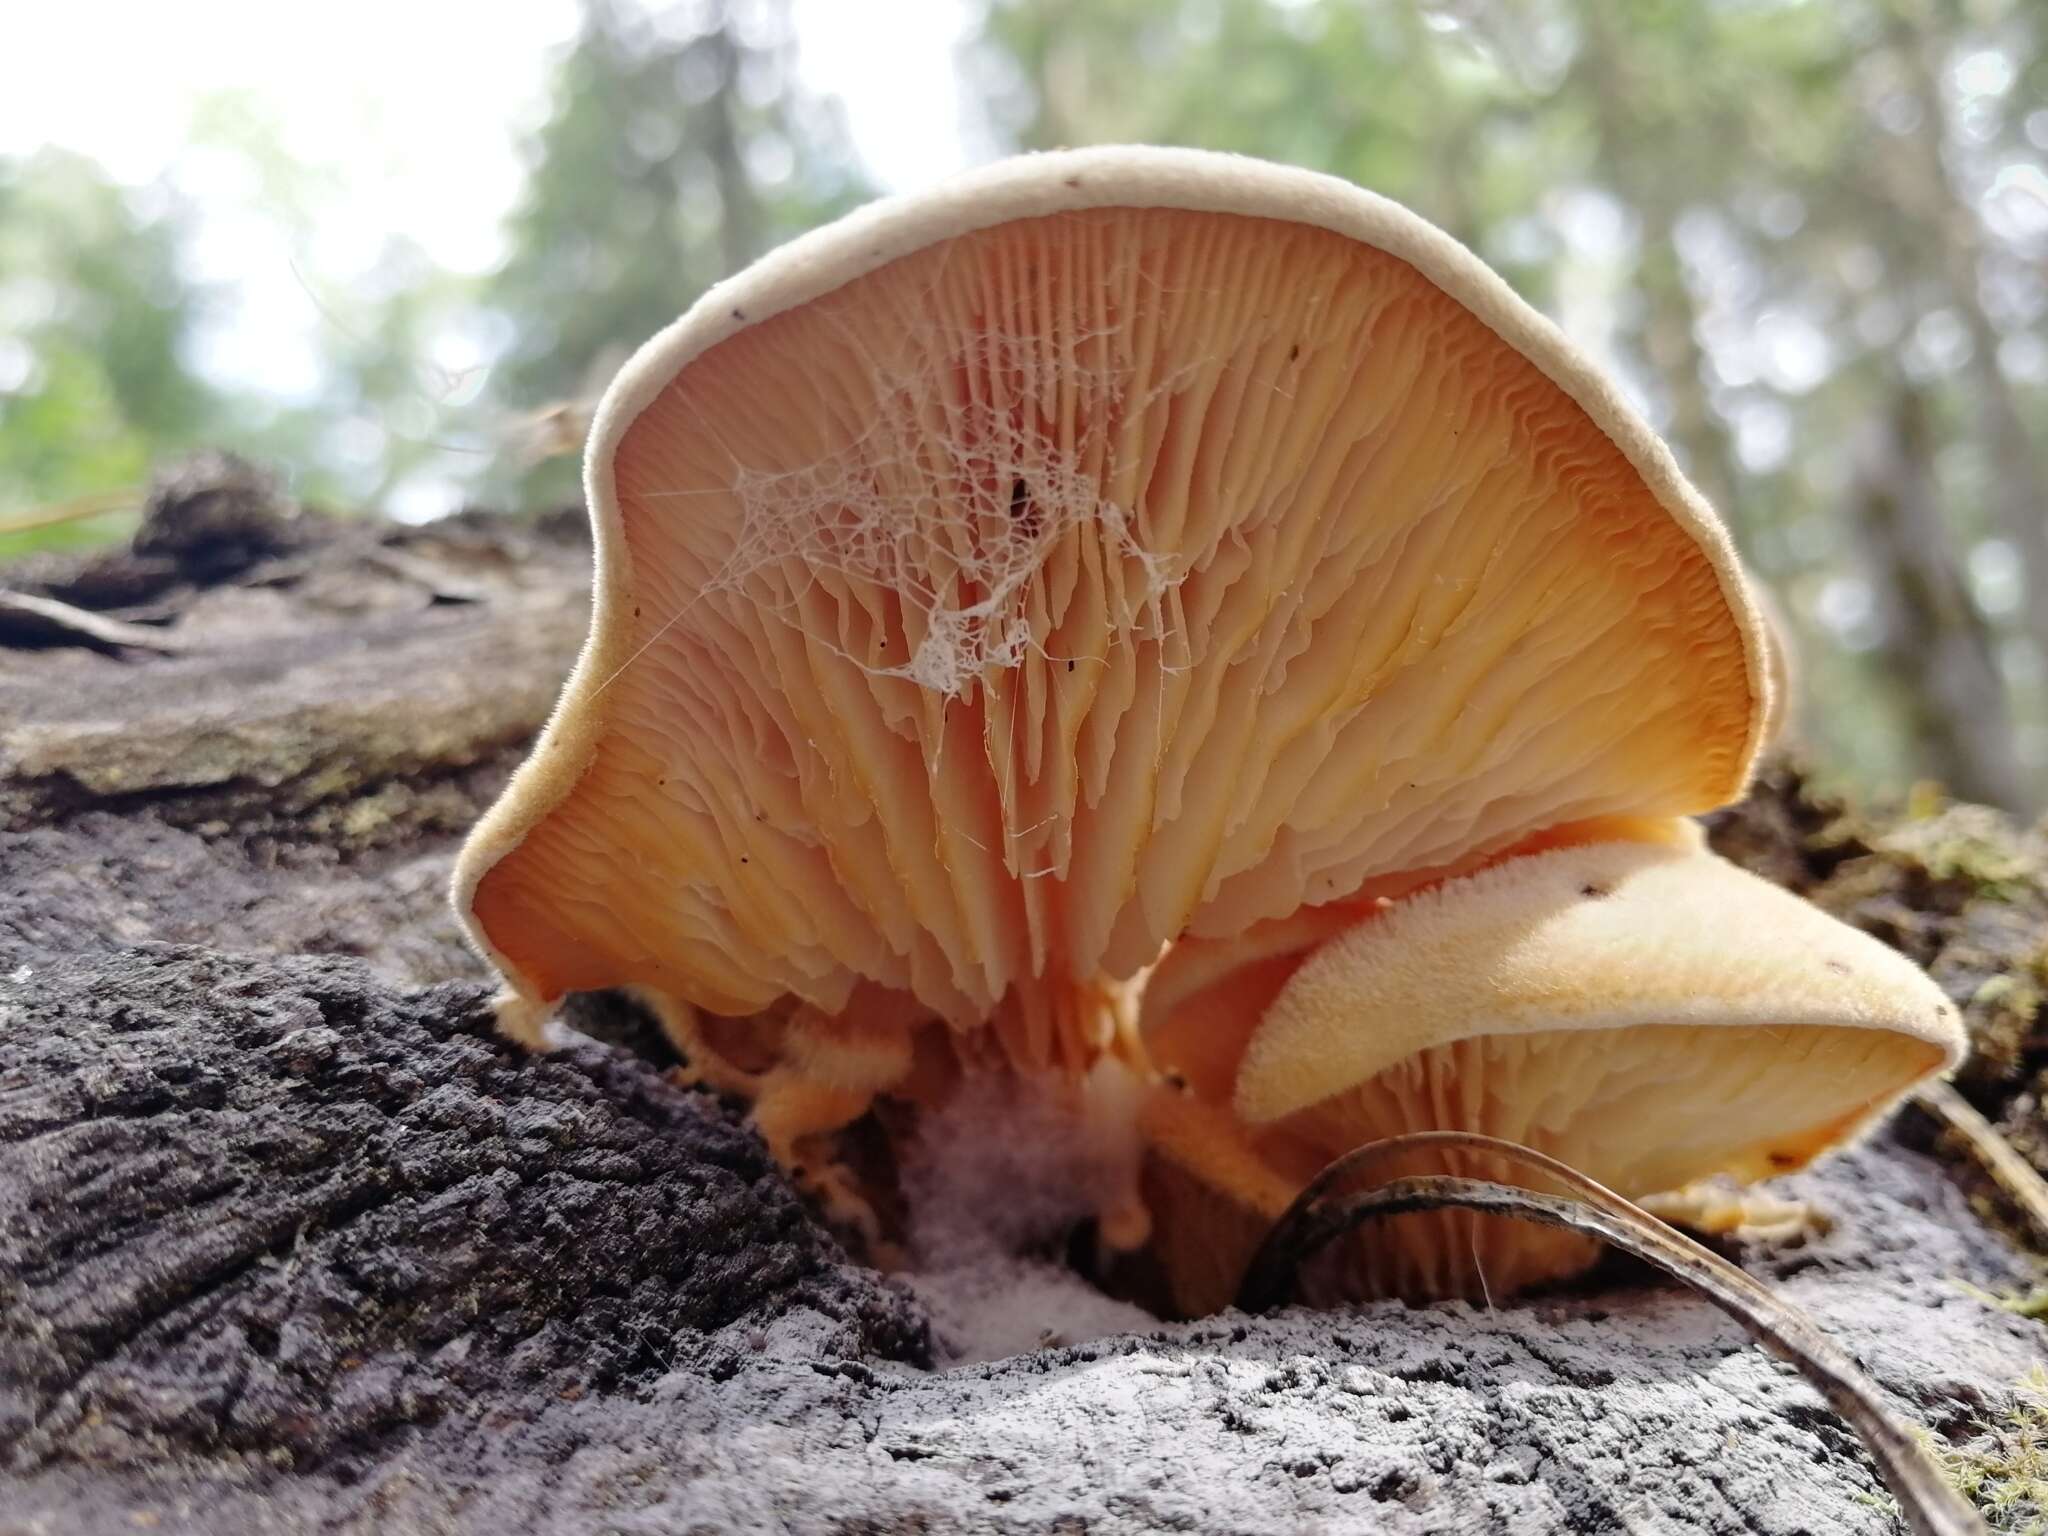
{"type": "Point", "coordinates": [1115, 547]}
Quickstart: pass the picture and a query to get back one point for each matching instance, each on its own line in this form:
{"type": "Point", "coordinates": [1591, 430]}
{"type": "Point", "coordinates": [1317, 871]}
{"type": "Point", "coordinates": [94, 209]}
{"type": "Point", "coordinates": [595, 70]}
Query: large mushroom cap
{"type": "Point", "coordinates": [1111, 546]}
{"type": "Point", "coordinates": [1646, 1012]}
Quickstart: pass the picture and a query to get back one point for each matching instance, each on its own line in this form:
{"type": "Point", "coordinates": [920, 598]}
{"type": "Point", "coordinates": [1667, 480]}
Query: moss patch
{"type": "Point", "coordinates": [2003, 1467]}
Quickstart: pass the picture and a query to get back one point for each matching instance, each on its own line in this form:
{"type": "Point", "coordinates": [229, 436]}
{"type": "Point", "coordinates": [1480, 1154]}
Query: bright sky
{"type": "Point", "coordinates": [410, 110]}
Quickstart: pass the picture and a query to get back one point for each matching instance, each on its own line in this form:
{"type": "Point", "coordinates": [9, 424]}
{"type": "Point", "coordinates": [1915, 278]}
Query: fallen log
{"type": "Point", "coordinates": [290, 1241]}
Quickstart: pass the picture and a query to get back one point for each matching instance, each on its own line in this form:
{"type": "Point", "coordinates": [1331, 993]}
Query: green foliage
{"type": "Point", "coordinates": [676, 151]}
{"type": "Point", "coordinates": [1383, 95]}
{"type": "Point", "coordinates": [95, 318]}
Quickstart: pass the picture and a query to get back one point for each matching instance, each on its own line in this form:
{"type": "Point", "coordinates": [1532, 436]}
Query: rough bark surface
{"type": "Point", "coordinates": [275, 1208]}
{"type": "Point", "coordinates": [290, 1242]}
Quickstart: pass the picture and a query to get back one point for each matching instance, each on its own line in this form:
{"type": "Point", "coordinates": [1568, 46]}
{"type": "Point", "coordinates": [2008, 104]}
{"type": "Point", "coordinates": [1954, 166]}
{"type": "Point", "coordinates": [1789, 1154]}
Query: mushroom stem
{"type": "Point", "coordinates": [1111, 1095]}
{"type": "Point", "coordinates": [521, 1019]}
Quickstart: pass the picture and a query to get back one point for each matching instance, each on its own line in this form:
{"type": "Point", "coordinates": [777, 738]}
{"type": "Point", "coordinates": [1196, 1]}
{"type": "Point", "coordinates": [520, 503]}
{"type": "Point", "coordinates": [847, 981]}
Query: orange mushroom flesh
{"type": "Point", "coordinates": [1120, 550]}
{"type": "Point", "coordinates": [1641, 1010]}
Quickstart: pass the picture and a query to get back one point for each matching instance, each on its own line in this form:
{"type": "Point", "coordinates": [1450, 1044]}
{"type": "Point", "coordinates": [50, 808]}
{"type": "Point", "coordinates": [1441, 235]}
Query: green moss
{"type": "Point", "coordinates": [2032, 1302]}
{"type": "Point", "coordinates": [2003, 1468]}
{"type": "Point", "coordinates": [1971, 845]}
{"type": "Point", "coordinates": [2015, 993]}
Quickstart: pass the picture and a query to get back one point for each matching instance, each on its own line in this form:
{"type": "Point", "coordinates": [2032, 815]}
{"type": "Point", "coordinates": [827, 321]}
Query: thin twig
{"type": "Point", "coordinates": [1930, 1505]}
{"type": "Point", "coordinates": [42, 620]}
{"type": "Point", "coordinates": [94, 504]}
{"type": "Point", "coordinates": [2015, 1175]}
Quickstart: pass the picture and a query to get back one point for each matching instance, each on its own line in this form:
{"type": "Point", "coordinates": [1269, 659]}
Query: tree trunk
{"type": "Point", "coordinates": [1935, 641]}
{"type": "Point", "coordinates": [739, 213]}
{"type": "Point", "coordinates": [1629, 155]}
{"type": "Point", "coordinates": [1925, 198]}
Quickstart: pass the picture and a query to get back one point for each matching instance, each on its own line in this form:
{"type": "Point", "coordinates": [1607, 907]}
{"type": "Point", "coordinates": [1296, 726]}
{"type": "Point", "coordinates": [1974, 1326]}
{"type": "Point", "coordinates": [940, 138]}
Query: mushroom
{"type": "Point", "coordinates": [1111, 553]}
{"type": "Point", "coordinates": [1644, 1011]}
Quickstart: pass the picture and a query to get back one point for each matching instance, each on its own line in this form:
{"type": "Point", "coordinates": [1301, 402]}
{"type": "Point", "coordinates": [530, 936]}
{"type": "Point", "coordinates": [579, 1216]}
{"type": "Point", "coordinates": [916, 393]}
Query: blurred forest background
{"type": "Point", "coordinates": [1810, 235]}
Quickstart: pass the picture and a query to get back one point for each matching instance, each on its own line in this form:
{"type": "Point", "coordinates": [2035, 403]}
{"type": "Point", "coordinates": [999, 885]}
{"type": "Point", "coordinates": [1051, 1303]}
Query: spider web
{"type": "Point", "coordinates": [954, 496]}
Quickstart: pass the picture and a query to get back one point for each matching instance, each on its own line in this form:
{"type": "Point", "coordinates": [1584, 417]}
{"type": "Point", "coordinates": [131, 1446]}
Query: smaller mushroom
{"type": "Point", "coordinates": [1644, 1011]}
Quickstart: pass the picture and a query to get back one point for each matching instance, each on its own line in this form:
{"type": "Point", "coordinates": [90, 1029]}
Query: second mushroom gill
{"type": "Point", "coordinates": [1122, 575]}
